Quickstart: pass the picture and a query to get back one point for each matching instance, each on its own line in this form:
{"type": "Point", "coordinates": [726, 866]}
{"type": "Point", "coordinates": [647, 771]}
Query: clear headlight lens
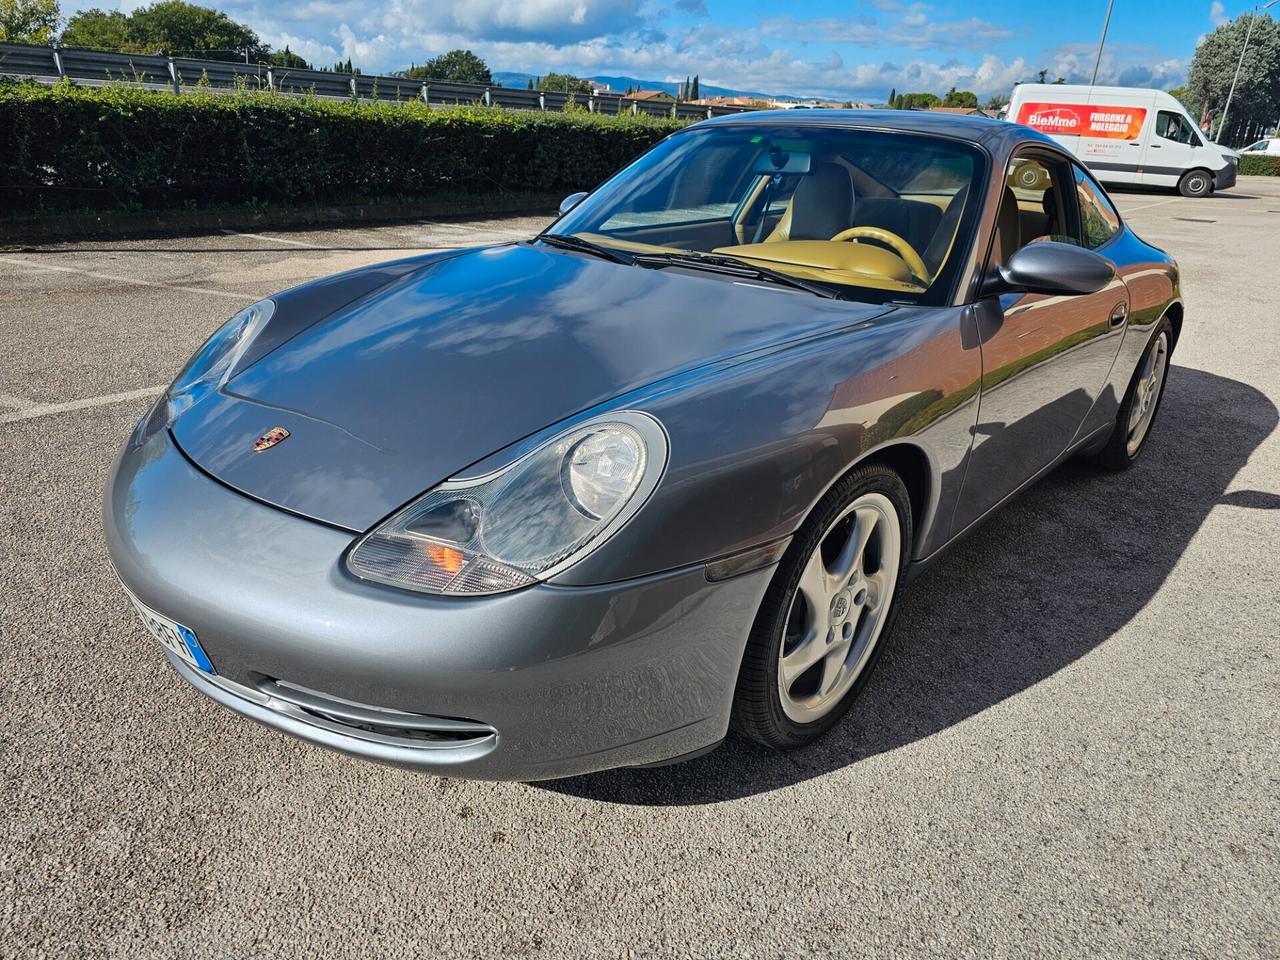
{"type": "Point", "coordinates": [524, 523]}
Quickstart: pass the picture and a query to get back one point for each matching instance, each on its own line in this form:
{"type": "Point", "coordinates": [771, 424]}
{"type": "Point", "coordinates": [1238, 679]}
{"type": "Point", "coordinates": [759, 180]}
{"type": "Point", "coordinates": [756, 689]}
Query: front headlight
{"type": "Point", "coordinates": [210, 366]}
{"type": "Point", "coordinates": [524, 523]}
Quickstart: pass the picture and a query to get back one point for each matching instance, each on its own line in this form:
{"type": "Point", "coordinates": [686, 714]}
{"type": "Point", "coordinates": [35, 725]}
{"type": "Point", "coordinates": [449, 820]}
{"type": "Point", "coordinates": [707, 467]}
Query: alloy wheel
{"type": "Point", "coordinates": [1147, 395]}
{"type": "Point", "coordinates": [839, 608]}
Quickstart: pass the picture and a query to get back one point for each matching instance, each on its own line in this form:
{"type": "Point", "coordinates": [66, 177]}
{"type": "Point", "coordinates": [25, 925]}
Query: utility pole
{"type": "Point", "coordinates": [1222, 124]}
{"type": "Point", "coordinates": [1105, 24]}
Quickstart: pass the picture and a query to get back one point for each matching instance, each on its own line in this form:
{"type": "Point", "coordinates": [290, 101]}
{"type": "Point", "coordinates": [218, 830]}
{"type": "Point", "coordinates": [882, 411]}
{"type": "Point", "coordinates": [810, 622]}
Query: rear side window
{"type": "Point", "coordinates": [1099, 221]}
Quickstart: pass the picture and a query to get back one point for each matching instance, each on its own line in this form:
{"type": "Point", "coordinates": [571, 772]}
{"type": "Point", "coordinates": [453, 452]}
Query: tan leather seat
{"type": "Point", "coordinates": [821, 206]}
{"type": "Point", "coordinates": [1008, 229]}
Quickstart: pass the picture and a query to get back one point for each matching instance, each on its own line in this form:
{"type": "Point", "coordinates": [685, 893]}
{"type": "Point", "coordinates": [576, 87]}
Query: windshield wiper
{"type": "Point", "coordinates": [569, 241]}
{"type": "Point", "coordinates": [732, 266]}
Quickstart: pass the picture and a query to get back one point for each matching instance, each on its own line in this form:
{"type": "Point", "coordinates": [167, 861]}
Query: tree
{"type": "Point", "coordinates": [97, 30]}
{"type": "Point", "coordinates": [564, 83]}
{"type": "Point", "coordinates": [893, 99]}
{"type": "Point", "coordinates": [960, 98]}
{"type": "Point", "coordinates": [918, 101]}
{"type": "Point", "coordinates": [996, 103]}
{"type": "Point", "coordinates": [179, 28]}
{"type": "Point", "coordinates": [1256, 102]}
{"type": "Point", "coordinates": [28, 21]}
{"type": "Point", "coordinates": [695, 94]}
{"type": "Point", "coordinates": [287, 58]}
{"type": "Point", "coordinates": [456, 66]}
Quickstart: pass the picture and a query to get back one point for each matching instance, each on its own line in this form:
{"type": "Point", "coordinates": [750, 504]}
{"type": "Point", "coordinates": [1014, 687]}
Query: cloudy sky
{"type": "Point", "coordinates": [857, 49]}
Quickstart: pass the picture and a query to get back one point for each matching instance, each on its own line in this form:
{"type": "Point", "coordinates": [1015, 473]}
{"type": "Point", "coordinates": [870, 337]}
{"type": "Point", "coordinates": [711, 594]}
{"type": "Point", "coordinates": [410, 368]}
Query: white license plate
{"type": "Point", "coordinates": [179, 640]}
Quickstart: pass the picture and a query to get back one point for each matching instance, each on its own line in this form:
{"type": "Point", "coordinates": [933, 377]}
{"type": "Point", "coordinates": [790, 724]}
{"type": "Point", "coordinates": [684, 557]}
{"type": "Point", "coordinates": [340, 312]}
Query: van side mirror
{"type": "Point", "coordinates": [571, 201]}
{"type": "Point", "coordinates": [1051, 268]}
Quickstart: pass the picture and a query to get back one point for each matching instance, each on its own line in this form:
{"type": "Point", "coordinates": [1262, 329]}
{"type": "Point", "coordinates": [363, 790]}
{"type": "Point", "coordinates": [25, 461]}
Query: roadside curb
{"type": "Point", "coordinates": [75, 226]}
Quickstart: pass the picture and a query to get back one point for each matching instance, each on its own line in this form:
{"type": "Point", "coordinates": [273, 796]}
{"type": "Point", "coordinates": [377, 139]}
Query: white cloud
{"type": "Point", "coordinates": [1122, 64]}
{"type": "Point", "coordinates": [316, 52]}
{"type": "Point", "coordinates": [1218, 14]}
{"type": "Point", "coordinates": [912, 30]}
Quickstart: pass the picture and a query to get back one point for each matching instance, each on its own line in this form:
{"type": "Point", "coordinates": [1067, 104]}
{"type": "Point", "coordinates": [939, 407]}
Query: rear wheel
{"type": "Point", "coordinates": [1138, 411]}
{"type": "Point", "coordinates": [1195, 183]}
{"type": "Point", "coordinates": [828, 612]}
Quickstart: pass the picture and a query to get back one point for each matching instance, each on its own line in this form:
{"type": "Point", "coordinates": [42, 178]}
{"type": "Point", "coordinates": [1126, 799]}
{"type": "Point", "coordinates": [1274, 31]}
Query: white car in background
{"type": "Point", "coordinates": [1269, 147]}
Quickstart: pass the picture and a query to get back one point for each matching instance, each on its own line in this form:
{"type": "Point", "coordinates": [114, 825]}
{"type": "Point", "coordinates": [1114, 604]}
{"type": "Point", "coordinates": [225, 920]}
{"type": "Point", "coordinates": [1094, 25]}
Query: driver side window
{"type": "Point", "coordinates": [1173, 126]}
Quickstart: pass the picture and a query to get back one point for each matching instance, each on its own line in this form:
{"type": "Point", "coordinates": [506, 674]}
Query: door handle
{"type": "Point", "coordinates": [1118, 313]}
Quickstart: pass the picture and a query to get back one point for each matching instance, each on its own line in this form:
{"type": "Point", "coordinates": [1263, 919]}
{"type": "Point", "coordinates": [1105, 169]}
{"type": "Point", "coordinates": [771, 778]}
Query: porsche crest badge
{"type": "Point", "coordinates": [270, 439]}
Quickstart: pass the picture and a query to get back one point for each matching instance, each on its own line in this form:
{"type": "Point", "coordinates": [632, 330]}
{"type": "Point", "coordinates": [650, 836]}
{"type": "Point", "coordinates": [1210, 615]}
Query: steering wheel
{"type": "Point", "coordinates": [915, 263]}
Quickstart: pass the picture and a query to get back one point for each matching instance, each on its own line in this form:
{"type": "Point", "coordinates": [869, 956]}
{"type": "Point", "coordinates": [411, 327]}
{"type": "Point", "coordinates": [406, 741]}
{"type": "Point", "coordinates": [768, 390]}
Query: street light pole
{"type": "Point", "coordinates": [1105, 24]}
{"type": "Point", "coordinates": [1239, 63]}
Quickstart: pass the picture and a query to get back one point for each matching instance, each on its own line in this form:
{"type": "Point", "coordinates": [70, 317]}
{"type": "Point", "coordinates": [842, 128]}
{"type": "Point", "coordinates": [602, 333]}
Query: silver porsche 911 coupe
{"type": "Point", "coordinates": [593, 499]}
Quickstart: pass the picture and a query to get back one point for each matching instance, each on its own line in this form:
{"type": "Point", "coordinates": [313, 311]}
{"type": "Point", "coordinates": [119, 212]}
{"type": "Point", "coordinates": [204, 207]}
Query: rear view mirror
{"type": "Point", "coordinates": [1053, 268]}
{"type": "Point", "coordinates": [779, 161]}
{"type": "Point", "coordinates": [571, 201]}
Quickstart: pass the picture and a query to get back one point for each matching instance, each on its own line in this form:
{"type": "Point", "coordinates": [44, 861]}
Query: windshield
{"type": "Point", "coordinates": [870, 214]}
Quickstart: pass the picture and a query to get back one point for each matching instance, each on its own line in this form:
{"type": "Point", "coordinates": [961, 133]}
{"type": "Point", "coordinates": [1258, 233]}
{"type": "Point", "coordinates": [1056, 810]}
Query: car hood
{"type": "Point", "coordinates": [397, 391]}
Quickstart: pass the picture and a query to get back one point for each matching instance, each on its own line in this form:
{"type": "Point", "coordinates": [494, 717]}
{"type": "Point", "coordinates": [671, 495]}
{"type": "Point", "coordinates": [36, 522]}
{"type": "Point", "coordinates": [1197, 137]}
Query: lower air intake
{"type": "Point", "coordinates": [375, 723]}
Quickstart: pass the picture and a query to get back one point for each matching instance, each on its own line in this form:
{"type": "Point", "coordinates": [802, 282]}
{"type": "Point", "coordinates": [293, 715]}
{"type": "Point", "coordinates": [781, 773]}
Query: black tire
{"type": "Point", "coordinates": [1196, 183]}
{"type": "Point", "coordinates": [757, 706]}
{"type": "Point", "coordinates": [1117, 455]}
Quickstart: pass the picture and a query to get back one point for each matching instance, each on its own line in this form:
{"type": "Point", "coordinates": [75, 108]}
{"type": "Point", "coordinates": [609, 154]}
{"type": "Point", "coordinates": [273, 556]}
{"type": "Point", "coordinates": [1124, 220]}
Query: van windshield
{"type": "Point", "coordinates": [870, 211]}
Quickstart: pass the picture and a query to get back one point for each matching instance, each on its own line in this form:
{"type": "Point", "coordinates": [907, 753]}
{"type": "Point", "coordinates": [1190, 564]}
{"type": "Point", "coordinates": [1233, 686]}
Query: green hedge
{"type": "Point", "coordinates": [1259, 166]}
{"type": "Point", "coordinates": [121, 148]}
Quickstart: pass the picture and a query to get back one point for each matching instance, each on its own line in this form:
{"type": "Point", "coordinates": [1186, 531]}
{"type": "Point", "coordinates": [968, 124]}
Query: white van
{"type": "Point", "coordinates": [1127, 135]}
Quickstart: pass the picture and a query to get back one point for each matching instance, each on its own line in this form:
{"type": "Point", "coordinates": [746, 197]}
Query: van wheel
{"type": "Point", "coordinates": [1195, 183]}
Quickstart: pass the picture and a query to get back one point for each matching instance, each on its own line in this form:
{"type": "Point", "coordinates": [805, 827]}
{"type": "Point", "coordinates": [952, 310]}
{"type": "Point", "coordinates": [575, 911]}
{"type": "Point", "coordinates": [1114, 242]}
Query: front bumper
{"type": "Point", "coordinates": [1226, 177]}
{"type": "Point", "coordinates": [568, 679]}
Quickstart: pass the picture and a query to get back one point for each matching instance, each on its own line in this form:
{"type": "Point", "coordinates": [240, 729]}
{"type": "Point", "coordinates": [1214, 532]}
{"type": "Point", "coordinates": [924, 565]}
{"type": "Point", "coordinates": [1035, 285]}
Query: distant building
{"type": "Point", "coordinates": [960, 111]}
{"type": "Point", "coordinates": [748, 102]}
{"type": "Point", "coordinates": [652, 96]}
{"type": "Point", "coordinates": [813, 103]}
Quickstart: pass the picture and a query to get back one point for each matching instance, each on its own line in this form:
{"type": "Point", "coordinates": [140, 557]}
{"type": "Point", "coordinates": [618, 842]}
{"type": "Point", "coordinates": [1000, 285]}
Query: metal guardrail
{"type": "Point", "coordinates": [183, 75]}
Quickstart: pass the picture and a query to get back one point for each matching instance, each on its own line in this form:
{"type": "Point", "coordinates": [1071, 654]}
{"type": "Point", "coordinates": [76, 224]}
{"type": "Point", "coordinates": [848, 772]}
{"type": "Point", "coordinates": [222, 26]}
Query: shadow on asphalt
{"type": "Point", "coordinates": [1045, 581]}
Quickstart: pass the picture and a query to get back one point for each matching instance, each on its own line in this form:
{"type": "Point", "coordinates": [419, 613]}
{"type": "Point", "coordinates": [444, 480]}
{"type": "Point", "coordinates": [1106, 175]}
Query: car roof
{"type": "Point", "coordinates": [975, 129]}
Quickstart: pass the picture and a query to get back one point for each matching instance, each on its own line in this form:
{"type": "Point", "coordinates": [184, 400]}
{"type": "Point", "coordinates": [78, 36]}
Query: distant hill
{"type": "Point", "coordinates": [620, 84]}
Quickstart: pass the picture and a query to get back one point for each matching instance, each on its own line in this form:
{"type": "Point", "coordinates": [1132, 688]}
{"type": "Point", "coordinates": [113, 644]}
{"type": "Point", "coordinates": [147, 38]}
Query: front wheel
{"type": "Point", "coordinates": [827, 613]}
{"type": "Point", "coordinates": [1138, 409]}
{"type": "Point", "coordinates": [1195, 183]}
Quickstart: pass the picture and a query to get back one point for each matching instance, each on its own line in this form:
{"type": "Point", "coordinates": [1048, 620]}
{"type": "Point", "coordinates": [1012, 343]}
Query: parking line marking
{"type": "Point", "coordinates": [1147, 206]}
{"type": "Point", "coordinates": [118, 279]}
{"type": "Point", "coordinates": [259, 236]}
{"type": "Point", "coordinates": [7, 400]}
{"type": "Point", "coordinates": [84, 403]}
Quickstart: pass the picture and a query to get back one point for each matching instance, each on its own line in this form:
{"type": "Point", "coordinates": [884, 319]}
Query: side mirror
{"type": "Point", "coordinates": [571, 201]}
{"type": "Point", "coordinates": [1052, 268]}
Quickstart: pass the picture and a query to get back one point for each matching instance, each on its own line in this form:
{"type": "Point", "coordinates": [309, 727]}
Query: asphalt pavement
{"type": "Point", "coordinates": [1070, 750]}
